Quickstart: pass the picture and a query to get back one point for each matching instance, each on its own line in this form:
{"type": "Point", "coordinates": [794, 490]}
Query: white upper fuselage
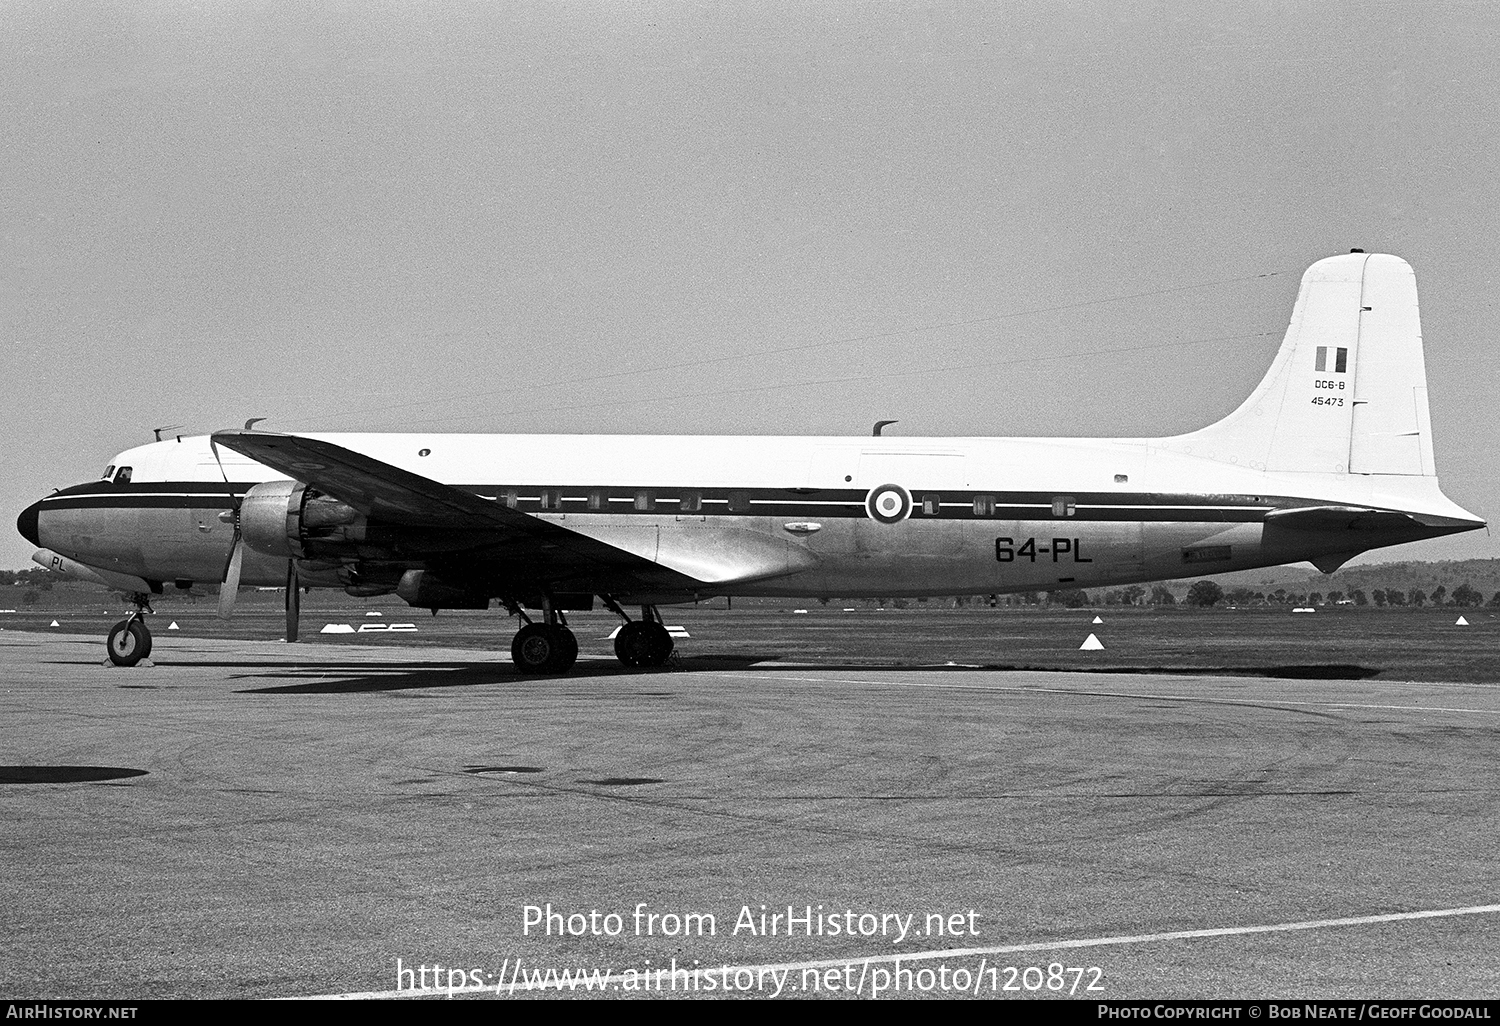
{"type": "Point", "coordinates": [1064, 465]}
{"type": "Point", "coordinates": [987, 514]}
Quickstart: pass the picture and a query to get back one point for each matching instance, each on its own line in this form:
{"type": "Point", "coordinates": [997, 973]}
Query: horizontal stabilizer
{"type": "Point", "coordinates": [1343, 518]}
{"type": "Point", "coordinates": [1365, 520]}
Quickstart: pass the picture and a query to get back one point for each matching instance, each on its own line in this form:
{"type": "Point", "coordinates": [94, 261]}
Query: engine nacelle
{"type": "Point", "coordinates": [425, 590]}
{"type": "Point", "coordinates": [291, 520]}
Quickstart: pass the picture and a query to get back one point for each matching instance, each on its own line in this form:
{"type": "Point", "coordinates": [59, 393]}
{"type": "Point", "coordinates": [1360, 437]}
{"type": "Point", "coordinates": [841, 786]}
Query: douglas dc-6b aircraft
{"type": "Point", "coordinates": [1330, 456]}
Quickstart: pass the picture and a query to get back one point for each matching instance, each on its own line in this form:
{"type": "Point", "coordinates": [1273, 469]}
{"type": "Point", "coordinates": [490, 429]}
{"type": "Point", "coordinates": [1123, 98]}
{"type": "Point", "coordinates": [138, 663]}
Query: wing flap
{"type": "Point", "coordinates": [716, 555]}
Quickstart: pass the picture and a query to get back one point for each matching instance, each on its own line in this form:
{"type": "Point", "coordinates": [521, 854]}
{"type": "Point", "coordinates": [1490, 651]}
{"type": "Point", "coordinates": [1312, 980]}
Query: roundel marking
{"type": "Point", "coordinates": [888, 503]}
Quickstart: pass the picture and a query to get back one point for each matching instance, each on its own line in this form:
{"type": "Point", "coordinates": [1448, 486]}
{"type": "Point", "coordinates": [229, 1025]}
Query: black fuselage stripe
{"type": "Point", "coordinates": [781, 503]}
{"type": "Point", "coordinates": [808, 496]}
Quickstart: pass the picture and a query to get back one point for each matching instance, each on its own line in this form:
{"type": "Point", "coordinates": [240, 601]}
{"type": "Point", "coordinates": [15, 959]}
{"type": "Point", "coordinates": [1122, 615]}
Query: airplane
{"type": "Point", "coordinates": [1330, 456]}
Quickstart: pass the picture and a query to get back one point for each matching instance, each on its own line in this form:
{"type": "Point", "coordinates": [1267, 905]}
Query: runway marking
{"type": "Point", "coordinates": [611, 981]}
{"type": "Point", "coordinates": [1268, 702]}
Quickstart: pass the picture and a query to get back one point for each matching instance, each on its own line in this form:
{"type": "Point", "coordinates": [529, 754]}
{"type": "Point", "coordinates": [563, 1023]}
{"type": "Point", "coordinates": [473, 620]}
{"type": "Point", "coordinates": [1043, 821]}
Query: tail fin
{"type": "Point", "coordinates": [1347, 392]}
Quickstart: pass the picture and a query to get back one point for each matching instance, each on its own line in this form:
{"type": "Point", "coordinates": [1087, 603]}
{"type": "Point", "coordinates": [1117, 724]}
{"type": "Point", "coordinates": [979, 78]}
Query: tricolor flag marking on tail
{"type": "Point", "coordinates": [1340, 359]}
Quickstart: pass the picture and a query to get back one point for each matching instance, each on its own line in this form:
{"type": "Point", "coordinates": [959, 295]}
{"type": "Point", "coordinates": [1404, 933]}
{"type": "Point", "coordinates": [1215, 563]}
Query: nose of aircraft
{"type": "Point", "coordinates": [26, 523]}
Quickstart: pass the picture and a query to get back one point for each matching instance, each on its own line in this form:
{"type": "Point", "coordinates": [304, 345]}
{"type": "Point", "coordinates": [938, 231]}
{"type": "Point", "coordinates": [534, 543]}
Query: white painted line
{"type": "Point", "coordinates": [500, 988]}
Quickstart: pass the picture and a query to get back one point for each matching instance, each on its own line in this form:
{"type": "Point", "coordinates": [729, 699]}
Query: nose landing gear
{"type": "Point", "coordinates": [129, 641]}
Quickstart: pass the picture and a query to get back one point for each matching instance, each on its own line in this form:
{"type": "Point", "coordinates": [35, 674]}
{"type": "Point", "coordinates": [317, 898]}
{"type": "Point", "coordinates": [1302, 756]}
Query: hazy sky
{"type": "Point", "coordinates": [979, 218]}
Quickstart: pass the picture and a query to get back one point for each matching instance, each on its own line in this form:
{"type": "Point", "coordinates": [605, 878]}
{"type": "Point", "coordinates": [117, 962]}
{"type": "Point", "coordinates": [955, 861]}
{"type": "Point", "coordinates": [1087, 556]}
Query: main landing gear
{"type": "Point", "coordinates": [129, 641]}
{"type": "Point", "coordinates": [547, 647]}
{"type": "Point", "coordinates": [643, 642]}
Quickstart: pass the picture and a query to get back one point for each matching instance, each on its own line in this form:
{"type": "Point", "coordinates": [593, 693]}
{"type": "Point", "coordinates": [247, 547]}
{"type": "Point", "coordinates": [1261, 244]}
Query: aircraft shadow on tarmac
{"type": "Point", "coordinates": [65, 774]}
{"type": "Point", "coordinates": [399, 676]}
{"type": "Point", "coordinates": [352, 678]}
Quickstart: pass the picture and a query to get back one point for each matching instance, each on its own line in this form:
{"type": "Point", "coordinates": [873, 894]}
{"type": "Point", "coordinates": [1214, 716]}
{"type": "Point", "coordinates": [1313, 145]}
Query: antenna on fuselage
{"type": "Point", "coordinates": [165, 427]}
{"type": "Point", "coordinates": [881, 424]}
{"type": "Point", "coordinates": [250, 424]}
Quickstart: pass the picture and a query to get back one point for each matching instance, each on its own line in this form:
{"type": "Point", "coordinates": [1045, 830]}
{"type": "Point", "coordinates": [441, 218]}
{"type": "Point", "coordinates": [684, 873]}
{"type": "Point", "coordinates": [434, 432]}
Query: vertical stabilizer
{"type": "Point", "coordinates": [1347, 392]}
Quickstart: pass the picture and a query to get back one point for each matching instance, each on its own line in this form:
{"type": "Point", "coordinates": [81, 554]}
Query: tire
{"type": "Point", "coordinates": [567, 650]}
{"type": "Point", "coordinates": [128, 643]}
{"type": "Point", "coordinates": [659, 644]}
{"type": "Point", "coordinates": [628, 647]}
{"type": "Point", "coordinates": [643, 643]}
{"type": "Point", "coordinates": [538, 648]}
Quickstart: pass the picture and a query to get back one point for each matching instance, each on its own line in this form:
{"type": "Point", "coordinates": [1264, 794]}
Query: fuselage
{"type": "Point", "coordinates": [985, 515]}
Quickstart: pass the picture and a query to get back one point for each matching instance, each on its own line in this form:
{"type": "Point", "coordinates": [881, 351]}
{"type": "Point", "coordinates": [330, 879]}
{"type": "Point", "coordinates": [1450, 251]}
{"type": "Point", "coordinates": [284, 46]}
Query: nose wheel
{"type": "Point", "coordinates": [129, 641]}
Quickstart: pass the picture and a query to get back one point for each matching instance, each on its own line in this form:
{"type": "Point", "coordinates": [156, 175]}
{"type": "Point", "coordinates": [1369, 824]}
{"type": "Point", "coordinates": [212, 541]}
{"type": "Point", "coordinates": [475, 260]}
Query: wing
{"type": "Point", "coordinates": [495, 540]}
{"type": "Point", "coordinates": [377, 489]}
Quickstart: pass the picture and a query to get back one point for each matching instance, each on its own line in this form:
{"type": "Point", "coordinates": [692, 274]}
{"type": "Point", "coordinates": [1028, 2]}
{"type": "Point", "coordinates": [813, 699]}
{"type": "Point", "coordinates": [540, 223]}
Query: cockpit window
{"type": "Point", "coordinates": [122, 476]}
{"type": "Point", "coordinates": [109, 472]}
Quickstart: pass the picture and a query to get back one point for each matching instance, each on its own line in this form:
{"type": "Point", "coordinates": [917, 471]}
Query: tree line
{"type": "Point", "coordinates": [1206, 593]}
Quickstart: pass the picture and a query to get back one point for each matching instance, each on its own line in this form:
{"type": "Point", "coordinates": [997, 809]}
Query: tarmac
{"type": "Point", "coordinates": [259, 820]}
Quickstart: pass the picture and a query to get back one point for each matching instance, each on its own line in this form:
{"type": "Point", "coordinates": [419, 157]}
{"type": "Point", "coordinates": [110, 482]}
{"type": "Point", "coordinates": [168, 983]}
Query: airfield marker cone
{"type": "Point", "coordinates": [1460, 622]}
{"type": "Point", "coordinates": [54, 623]}
{"type": "Point", "coordinates": [1097, 620]}
{"type": "Point", "coordinates": [1091, 644]}
{"type": "Point", "coordinates": [173, 626]}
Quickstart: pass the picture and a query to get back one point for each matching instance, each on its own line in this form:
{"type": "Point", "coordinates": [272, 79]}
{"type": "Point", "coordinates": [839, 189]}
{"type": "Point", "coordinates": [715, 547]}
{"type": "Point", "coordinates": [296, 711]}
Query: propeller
{"type": "Point", "coordinates": [229, 590]}
{"type": "Point", "coordinates": [293, 600]}
{"type": "Point", "coordinates": [230, 583]}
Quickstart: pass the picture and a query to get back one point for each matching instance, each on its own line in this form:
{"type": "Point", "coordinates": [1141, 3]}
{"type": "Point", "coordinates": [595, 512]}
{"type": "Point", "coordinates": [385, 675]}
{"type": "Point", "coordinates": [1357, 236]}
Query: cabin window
{"type": "Point", "coordinates": [739, 502]}
{"type": "Point", "coordinates": [551, 498]}
{"type": "Point", "coordinates": [692, 502]}
{"type": "Point", "coordinates": [109, 472]}
{"type": "Point", "coordinates": [122, 476]}
{"type": "Point", "coordinates": [596, 499]}
{"type": "Point", "coordinates": [510, 498]}
{"type": "Point", "coordinates": [1064, 506]}
{"type": "Point", "coordinates": [930, 504]}
{"type": "Point", "coordinates": [984, 505]}
{"type": "Point", "coordinates": [645, 499]}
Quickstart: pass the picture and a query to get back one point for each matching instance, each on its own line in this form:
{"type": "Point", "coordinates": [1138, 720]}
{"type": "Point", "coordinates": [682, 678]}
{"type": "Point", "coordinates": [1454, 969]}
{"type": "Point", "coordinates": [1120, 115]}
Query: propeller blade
{"type": "Point", "coordinates": [293, 600]}
{"type": "Point", "coordinates": [231, 586]}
